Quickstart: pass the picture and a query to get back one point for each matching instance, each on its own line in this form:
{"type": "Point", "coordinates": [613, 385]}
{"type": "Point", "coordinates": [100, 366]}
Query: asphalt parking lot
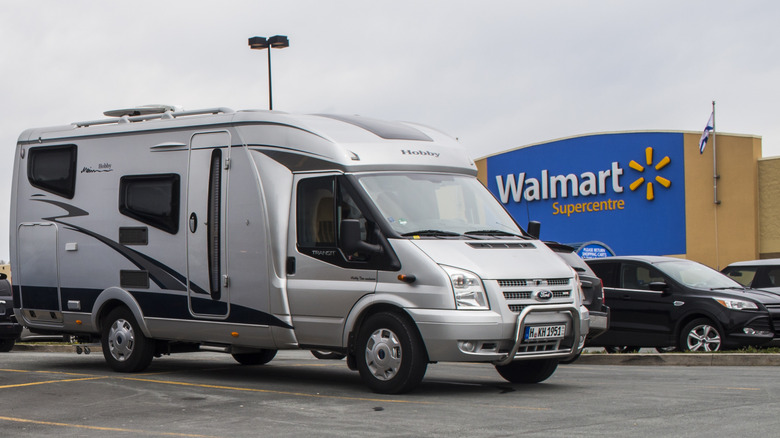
{"type": "Point", "coordinates": [210, 395]}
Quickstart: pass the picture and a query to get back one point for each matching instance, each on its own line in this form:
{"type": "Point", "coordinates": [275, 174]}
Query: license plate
{"type": "Point", "coordinates": [545, 332]}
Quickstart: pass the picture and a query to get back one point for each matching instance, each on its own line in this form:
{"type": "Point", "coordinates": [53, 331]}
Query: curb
{"type": "Point", "coordinates": [682, 359]}
{"type": "Point", "coordinates": [667, 359]}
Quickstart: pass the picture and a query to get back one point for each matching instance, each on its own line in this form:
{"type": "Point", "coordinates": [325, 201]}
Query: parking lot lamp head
{"type": "Point", "coordinates": [262, 43]}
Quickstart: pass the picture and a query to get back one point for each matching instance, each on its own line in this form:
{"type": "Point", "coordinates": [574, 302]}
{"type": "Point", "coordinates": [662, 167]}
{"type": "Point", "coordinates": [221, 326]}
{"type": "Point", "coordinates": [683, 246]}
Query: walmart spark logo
{"type": "Point", "coordinates": [659, 179]}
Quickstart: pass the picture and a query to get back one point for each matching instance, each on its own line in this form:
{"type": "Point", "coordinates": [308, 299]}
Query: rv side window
{"type": "Point", "coordinates": [53, 169]}
{"type": "Point", "coordinates": [151, 199]}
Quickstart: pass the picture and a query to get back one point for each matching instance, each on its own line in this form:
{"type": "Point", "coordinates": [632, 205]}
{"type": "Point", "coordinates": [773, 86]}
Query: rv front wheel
{"type": "Point", "coordinates": [528, 371]}
{"type": "Point", "coordinates": [125, 347]}
{"type": "Point", "coordinates": [390, 354]}
{"type": "Point", "coordinates": [260, 358]}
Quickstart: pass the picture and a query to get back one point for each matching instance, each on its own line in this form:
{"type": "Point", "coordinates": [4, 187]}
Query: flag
{"type": "Point", "coordinates": [706, 134]}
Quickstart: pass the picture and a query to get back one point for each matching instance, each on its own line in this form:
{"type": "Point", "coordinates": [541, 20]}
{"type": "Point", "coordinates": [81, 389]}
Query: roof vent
{"type": "Point", "coordinates": [142, 110]}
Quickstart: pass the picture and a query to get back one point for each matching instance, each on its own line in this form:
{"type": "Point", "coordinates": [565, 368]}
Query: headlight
{"type": "Point", "coordinates": [468, 290]}
{"type": "Point", "coordinates": [736, 304]}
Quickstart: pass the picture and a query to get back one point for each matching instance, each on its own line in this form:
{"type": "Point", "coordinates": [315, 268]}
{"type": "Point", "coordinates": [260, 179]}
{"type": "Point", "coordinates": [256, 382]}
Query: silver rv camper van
{"type": "Point", "coordinates": [158, 231]}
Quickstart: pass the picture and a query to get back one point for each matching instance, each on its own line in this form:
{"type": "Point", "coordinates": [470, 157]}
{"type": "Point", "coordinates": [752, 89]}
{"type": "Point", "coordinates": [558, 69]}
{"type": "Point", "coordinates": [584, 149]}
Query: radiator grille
{"type": "Point", "coordinates": [520, 293]}
{"type": "Point", "coordinates": [534, 282]}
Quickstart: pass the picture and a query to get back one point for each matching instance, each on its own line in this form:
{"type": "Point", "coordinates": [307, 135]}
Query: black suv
{"type": "Point", "coordinates": [664, 301]}
{"type": "Point", "coordinates": [9, 328]}
{"type": "Point", "coordinates": [591, 289]}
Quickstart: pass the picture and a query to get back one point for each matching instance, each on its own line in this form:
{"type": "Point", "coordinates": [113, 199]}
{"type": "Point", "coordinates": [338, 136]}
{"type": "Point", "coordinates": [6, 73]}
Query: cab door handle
{"type": "Point", "coordinates": [290, 265]}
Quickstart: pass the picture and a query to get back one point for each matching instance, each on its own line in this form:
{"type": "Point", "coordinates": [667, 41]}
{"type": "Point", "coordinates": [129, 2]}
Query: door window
{"type": "Point", "coordinates": [607, 272]}
{"type": "Point", "coordinates": [639, 277]}
{"type": "Point", "coordinates": [767, 277]}
{"type": "Point", "coordinates": [322, 204]}
{"type": "Point", "coordinates": [316, 213]}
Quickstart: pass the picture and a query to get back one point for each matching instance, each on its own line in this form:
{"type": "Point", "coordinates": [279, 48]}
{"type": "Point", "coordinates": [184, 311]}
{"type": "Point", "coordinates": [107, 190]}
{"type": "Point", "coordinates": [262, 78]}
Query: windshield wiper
{"type": "Point", "coordinates": [728, 287]}
{"type": "Point", "coordinates": [431, 233]}
{"type": "Point", "coordinates": [491, 233]}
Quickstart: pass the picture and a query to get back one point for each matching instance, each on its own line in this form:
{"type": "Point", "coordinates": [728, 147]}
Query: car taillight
{"type": "Point", "coordinates": [603, 296]}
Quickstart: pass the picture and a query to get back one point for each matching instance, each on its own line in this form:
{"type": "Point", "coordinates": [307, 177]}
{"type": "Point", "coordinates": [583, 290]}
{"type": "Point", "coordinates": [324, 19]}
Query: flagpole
{"type": "Point", "coordinates": [715, 175]}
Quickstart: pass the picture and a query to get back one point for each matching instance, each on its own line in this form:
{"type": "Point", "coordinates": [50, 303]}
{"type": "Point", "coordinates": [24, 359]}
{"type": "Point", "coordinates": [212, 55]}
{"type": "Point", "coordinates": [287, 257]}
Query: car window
{"type": "Point", "coordinates": [639, 277]}
{"type": "Point", "coordinates": [774, 276]}
{"type": "Point", "coordinates": [741, 274]}
{"type": "Point", "coordinates": [767, 277]}
{"type": "Point", "coordinates": [607, 272]}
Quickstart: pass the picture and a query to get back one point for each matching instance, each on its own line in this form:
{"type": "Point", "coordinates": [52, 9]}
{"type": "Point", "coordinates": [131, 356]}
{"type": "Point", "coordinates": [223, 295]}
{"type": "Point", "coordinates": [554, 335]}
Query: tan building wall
{"type": "Point", "coordinates": [719, 234]}
{"type": "Point", "coordinates": [6, 269]}
{"type": "Point", "coordinates": [769, 213]}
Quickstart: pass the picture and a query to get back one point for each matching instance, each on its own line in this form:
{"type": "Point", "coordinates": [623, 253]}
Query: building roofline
{"type": "Point", "coordinates": [640, 131]}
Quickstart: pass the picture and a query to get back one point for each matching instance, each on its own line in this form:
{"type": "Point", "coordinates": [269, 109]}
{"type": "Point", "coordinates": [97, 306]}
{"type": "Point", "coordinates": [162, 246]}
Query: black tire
{"type": "Point", "coordinates": [125, 347]}
{"type": "Point", "coordinates": [6, 345]}
{"type": "Point", "coordinates": [261, 357]}
{"type": "Point", "coordinates": [528, 371]}
{"type": "Point", "coordinates": [700, 335]}
{"type": "Point", "coordinates": [665, 349]}
{"type": "Point", "coordinates": [622, 349]}
{"type": "Point", "coordinates": [390, 354]}
{"type": "Point", "coordinates": [328, 355]}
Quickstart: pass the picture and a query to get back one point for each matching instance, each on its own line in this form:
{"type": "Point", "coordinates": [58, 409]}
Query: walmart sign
{"type": "Point", "coordinates": [626, 190]}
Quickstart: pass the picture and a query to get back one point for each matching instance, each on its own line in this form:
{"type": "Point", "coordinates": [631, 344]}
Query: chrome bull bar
{"type": "Point", "coordinates": [520, 330]}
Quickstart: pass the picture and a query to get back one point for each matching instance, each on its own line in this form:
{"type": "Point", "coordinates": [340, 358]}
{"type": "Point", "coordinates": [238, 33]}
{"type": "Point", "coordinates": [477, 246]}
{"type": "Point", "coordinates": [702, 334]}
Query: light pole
{"type": "Point", "coordinates": [261, 43]}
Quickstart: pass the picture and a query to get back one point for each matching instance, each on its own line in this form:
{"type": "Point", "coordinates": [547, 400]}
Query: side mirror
{"type": "Point", "coordinates": [350, 238]}
{"type": "Point", "coordinates": [534, 228]}
{"type": "Point", "coordinates": [659, 286]}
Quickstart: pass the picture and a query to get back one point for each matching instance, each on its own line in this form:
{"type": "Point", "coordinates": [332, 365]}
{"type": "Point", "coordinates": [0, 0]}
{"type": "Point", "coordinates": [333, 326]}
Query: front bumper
{"type": "Point", "coordinates": [485, 336]}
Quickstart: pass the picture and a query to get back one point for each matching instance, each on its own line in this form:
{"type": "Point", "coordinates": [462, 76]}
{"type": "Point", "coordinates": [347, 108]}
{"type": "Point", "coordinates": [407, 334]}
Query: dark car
{"type": "Point", "coordinates": [758, 274]}
{"type": "Point", "coordinates": [591, 288]}
{"type": "Point", "coordinates": [9, 328]}
{"type": "Point", "coordinates": [664, 301]}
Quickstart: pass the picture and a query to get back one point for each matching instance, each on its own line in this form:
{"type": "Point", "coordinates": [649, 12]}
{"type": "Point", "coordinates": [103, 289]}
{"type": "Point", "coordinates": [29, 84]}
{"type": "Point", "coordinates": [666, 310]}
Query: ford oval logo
{"type": "Point", "coordinates": [544, 295]}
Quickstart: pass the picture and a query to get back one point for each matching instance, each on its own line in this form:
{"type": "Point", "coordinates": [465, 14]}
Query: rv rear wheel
{"type": "Point", "coordinates": [391, 357]}
{"type": "Point", "coordinates": [6, 345]}
{"type": "Point", "coordinates": [260, 358]}
{"type": "Point", "coordinates": [125, 347]}
{"type": "Point", "coordinates": [528, 371]}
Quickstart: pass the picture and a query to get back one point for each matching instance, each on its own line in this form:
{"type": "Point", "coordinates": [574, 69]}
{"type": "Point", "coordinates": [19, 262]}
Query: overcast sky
{"type": "Point", "coordinates": [495, 74]}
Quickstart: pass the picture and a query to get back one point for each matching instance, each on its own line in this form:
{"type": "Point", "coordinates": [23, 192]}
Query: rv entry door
{"type": "Point", "coordinates": [207, 280]}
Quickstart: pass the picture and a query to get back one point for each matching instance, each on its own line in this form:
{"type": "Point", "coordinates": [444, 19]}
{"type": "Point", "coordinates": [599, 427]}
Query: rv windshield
{"type": "Point", "coordinates": [438, 205]}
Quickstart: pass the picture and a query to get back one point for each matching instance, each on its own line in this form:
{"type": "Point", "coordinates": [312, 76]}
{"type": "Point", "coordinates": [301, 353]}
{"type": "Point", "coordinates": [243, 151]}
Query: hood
{"type": "Point", "coordinates": [497, 260]}
{"type": "Point", "coordinates": [764, 296]}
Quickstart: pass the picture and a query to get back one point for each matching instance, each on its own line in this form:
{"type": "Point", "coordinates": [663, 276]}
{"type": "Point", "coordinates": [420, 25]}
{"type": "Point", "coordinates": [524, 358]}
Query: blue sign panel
{"type": "Point", "coordinates": [594, 250]}
{"type": "Point", "coordinates": [625, 189]}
